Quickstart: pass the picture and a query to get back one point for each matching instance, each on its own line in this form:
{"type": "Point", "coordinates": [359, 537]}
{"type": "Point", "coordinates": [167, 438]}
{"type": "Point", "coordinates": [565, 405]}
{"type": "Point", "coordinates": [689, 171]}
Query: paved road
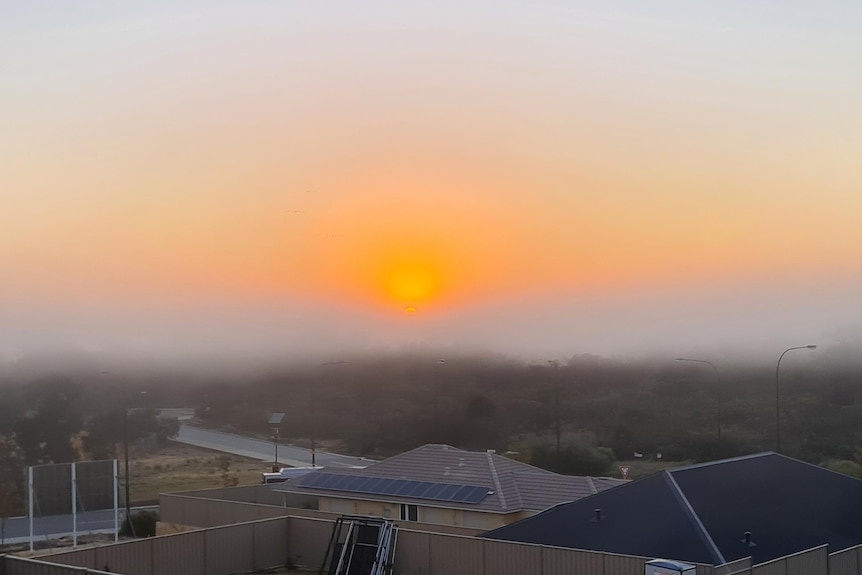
{"type": "Point", "coordinates": [18, 528]}
{"type": "Point", "coordinates": [263, 450]}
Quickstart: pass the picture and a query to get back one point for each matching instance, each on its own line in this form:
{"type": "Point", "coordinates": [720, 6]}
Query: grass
{"type": "Point", "coordinates": [178, 467]}
{"type": "Point", "coordinates": [643, 467]}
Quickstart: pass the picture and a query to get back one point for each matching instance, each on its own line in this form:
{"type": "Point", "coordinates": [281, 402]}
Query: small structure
{"type": "Point", "coordinates": [665, 567]}
{"type": "Point", "coordinates": [288, 473]}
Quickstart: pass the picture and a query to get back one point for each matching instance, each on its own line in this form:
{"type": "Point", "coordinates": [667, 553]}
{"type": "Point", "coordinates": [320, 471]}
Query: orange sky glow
{"type": "Point", "coordinates": [445, 158]}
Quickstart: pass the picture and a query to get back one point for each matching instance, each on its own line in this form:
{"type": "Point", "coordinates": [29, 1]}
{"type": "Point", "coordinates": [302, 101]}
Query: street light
{"type": "Point", "coordinates": [314, 416]}
{"type": "Point", "coordinates": [718, 387]}
{"type": "Point", "coordinates": [275, 421]}
{"type": "Point", "coordinates": [777, 387]}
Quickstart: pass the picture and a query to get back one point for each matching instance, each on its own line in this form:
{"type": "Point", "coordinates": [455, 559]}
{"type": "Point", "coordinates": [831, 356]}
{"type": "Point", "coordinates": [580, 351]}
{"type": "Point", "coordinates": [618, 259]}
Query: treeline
{"type": "Point", "coordinates": [572, 415]}
{"type": "Point", "coordinates": [59, 419]}
{"type": "Point", "coordinates": [576, 416]}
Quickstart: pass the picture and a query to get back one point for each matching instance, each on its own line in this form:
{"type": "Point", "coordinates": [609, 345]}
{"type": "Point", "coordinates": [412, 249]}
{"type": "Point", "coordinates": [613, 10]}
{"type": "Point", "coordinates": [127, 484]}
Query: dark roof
{"type": "Point", "coordinates": [515, 486]}
{"type": "Point", "coordinates": [700, 513]}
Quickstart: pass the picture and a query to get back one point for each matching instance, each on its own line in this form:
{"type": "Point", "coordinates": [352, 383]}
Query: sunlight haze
{"type": "Point", "coordinates": [526, 177]}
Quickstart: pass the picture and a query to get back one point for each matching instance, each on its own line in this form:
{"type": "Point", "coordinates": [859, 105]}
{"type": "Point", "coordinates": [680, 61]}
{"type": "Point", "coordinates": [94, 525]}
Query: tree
{"type": "Point", "coordinates": [11, 483]}
{"type": "Point", "coordinates": [223, 463]}
{"type": "Point", "coordinates": [574, 459]}
{"type": "Point", "coordinates": [45, 433]}
{"type": "Point", "coordinates": [108, 429]}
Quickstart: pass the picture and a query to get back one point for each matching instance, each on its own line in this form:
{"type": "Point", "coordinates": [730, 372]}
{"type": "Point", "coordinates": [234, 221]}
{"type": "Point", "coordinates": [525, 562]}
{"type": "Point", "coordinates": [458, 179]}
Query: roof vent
{"type": "Point", "coordinates": [746, 538]}
{"type": "Point", "coordinates": [597, 515]}
{"type": "Point", "coordinates": [461, 462]}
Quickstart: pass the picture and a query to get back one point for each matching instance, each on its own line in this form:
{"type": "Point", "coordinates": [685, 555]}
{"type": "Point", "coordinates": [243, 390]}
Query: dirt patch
{"type": "Point", "coordinates": [179, 467]}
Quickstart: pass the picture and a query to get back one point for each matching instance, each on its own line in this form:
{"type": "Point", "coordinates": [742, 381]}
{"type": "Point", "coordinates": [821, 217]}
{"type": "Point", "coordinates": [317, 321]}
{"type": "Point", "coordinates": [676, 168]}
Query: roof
{"type": "Point", "coordinates": [513, 486]}
{"type": "Point", "coordinates": [701, 513]}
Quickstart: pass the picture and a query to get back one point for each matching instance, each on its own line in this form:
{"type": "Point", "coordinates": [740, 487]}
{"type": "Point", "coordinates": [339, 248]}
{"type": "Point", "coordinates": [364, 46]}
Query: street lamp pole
{"type": "Point", "coordinates": [275, 421]}
{"type": "Point", "coordinates": [777, 388]}
{"type": "Point", "coordinates": [557, 426]}
{"type": "Point", "coordinates": [718, 389]}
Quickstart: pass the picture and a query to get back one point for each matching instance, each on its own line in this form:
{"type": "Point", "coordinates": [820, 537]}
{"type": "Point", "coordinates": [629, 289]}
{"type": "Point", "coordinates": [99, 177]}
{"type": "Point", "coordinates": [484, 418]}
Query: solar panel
{"type": "Point", "coordinates": [462, 493]}
{"type": "Point", "coordinates": [343, 483]}
{"type": "Point", "coordinates": [421, 489]}
{"type": "Point", "coordinates": [406, 487]}
{"type": "Point", "coordinates": [365, 483]}
{"type": "Point", "coordinates": [435, 491]}
{"type": "Point", "coordinates": [448, 492]}
{"type": "Point", "coordinates": [391, 487]}
{"type": "Point", "coordinates": [396, 487]}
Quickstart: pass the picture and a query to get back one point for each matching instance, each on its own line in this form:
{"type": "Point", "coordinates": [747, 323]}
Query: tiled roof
{"type": "Point", "coordinates": [515, 486]}
{"type": "Point", "coordinates": [701, 513]}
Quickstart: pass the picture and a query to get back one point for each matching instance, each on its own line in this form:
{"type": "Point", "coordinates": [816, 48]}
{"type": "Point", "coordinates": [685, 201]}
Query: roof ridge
{"type": "Point", "coordinates": [522, 466]}
{"type": "Point", "coordinates": [516, 490]}
{"type": "Point", "coordinates": [592, 484]}
{"type": "Point", "coordinates": [496, 478]}
{"type": "Point", "coordinates": [692, 516]}
{"type": "Point", "coordinates": [722, 461]}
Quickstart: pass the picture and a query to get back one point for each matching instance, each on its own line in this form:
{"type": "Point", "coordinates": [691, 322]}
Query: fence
{"type": "Point", "coordinates": [275, 542]}
{"type": "Point", "coordinates": [218, 551]}
{"type": "Point", "coordinates": [424, 553]}
{"type": "Point", "coordinates": [11, 565]}
{"type": "Point", "coordinates": [215, 507]}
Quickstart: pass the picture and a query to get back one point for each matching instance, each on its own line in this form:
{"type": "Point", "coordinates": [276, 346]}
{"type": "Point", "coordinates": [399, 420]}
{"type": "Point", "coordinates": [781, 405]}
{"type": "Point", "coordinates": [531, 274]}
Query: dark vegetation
{"type": "Point", "coordinates": [143, 525]}
{"type": "Point", "coordinates": [578, 416]}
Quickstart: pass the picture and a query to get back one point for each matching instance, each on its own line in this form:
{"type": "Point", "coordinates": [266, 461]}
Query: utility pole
{"type": "Point", "coordinates": [557, 424]}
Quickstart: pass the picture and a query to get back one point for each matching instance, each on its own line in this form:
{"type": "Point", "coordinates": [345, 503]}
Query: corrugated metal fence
{"type": "Point", "coordinates": [11, 565]}
{"type": "Point", "coordinates": [301, 540]}
{"type": "Point", "coordinates": [215, 507]}
{"type": "Point", "coordinates": [218, 551]}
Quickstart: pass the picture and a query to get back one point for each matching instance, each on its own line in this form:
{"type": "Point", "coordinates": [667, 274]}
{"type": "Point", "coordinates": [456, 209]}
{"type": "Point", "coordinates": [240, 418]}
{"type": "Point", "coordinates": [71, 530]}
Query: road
{"type": "Point", "coordinates": [263, 450]}
{"type": "Point", "coordinates": [55, 526]}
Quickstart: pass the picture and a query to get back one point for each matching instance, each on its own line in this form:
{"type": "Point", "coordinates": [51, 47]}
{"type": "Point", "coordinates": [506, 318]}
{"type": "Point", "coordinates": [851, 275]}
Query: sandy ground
{"type": "Point", "coordinates": [178, 467]}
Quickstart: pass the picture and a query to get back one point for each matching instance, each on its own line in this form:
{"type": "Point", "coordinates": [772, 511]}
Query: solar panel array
{"type": "Point", "coordinates": [396, 487]}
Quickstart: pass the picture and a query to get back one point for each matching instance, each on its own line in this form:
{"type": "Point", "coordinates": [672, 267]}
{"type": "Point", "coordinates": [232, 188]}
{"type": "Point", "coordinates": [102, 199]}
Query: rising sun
{"type": "Point", "coordinates": [411, 284]}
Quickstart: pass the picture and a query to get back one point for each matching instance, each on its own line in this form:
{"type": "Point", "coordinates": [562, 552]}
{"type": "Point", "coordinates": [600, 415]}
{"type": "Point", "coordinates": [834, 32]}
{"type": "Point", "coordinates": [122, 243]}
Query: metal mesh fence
{"type": "Point", "coordinates": [71, 498]}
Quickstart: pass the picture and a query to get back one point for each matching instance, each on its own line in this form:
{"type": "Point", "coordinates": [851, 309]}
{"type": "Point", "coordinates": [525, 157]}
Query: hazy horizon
{"type": "Point", "coordinates": [538, 180]}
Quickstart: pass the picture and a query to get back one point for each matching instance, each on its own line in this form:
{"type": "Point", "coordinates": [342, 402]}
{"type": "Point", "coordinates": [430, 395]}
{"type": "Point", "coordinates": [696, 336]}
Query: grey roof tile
{"type": "Point", "coordinates": [514, 486]}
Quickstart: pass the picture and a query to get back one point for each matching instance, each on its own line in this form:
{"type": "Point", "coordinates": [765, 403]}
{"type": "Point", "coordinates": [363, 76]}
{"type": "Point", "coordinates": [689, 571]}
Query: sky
{"type": "Point", "coordinates": [539, 178]}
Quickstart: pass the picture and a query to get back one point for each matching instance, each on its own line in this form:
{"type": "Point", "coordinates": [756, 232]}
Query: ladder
{"type": "Point", "coordinates": [360, 545]}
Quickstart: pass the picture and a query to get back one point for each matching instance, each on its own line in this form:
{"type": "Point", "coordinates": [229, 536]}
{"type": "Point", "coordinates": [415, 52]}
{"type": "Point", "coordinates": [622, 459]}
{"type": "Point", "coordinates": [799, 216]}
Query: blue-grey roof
{"type": "Point", "coordinates": [701, 513]}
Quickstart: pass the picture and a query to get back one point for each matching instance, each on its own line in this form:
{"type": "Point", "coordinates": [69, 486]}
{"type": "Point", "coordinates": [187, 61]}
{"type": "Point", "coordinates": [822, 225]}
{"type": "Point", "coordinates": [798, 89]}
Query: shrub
{"type": "Point", "coordinates": [143, 524]}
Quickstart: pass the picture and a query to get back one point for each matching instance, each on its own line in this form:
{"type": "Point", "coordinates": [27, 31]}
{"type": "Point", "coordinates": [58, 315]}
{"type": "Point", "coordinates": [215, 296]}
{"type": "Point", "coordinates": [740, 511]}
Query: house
{"type": "Point", "coordinates": [444, 485]}
{"type": "Point", "coordinates": [763, 506]}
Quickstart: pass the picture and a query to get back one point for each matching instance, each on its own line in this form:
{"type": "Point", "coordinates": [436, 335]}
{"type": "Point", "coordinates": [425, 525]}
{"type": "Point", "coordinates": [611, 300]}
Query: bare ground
{"type": "Point", "coordinates": [179, 467]}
